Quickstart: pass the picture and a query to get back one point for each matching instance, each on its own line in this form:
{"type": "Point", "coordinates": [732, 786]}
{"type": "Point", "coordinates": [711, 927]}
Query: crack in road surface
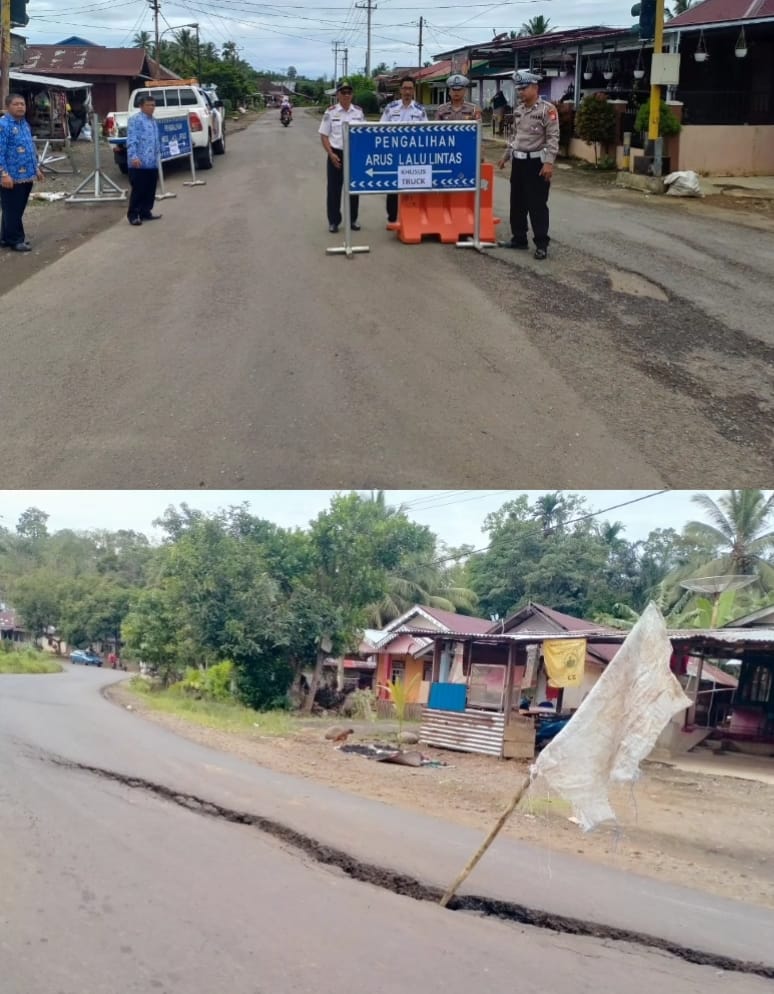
{"type": "Point", "coordinates": [408, 886]}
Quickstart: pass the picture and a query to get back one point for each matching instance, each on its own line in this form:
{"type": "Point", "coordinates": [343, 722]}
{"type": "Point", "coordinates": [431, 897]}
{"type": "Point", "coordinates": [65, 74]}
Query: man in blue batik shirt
{"type": "Point", "coordinates": [18, 169]}
{"type": "Point", "coordinates": [143, 148]}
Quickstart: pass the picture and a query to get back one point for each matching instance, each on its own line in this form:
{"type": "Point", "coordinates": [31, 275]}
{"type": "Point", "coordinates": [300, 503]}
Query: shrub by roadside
{"type": "Point", "coordinates": [13, 660]}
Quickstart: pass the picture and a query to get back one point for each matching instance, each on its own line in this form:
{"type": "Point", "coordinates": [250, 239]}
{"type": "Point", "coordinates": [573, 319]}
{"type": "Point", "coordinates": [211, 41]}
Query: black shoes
{"type": "Point", "coordinates": [355, 226]}
{"type": "Point", "coordinates": [135, 220]}
{"type": "Point", "coordinates": [22, 247]}
{"type": "Point", "coordinates": [516, 244]}
{"type": "Point", "coordinates": [333, 228]}
{"type": "Point", "coordinates": [151, 217]}
{"type": "Point", "coordinates": [541, 253]}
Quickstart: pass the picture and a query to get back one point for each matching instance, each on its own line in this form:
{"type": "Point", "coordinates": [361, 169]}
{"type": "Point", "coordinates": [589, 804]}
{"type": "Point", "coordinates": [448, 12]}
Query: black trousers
{"type": "Point", "coordinates": [529, 196]}
{"type": "Point", "coordinates": [13, 202]}
{"type": "Point", "coordinates": [335, 184]}
{"type": "Point", "coordinates": [392, 207]}
{"type": "Point", "coordinates": [143, 195]}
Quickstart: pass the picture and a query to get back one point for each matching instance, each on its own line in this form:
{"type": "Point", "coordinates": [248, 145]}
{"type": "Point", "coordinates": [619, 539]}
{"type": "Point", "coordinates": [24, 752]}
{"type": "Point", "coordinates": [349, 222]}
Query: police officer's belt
{"type": "Point", "coordinates": [527, 155]}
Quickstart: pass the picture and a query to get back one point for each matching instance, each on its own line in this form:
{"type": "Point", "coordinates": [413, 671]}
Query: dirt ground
{"type": "Point", "coordinates": [710, 832]}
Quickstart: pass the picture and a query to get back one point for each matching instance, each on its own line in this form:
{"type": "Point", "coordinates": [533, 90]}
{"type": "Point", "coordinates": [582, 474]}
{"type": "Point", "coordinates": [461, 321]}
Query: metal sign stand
{"type": "Point", "coordinates": [163, 195]}
{"type": "Point", "coordinates": [347, 248]}
{"type": "Point", "coordinates": [104, 189]}
{"type": "Point", "coordinates": [193, 181]}
{"type": "Point", "coordinates": [476, 242]}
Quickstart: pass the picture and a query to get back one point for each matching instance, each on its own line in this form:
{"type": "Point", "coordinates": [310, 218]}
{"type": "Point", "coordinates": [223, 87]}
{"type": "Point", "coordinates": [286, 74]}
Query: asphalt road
{"type": "Point", "coordinates": [106, 888]}
{"type": "Point", "coordinates": [220, 346]}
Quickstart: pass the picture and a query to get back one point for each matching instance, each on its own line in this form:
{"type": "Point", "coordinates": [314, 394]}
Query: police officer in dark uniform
{"type": "Point", "coordinates": [532, 151]}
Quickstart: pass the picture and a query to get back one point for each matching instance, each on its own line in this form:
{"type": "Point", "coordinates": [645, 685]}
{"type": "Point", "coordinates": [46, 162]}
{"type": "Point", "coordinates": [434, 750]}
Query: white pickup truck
{"type": "Point", "coordinates": [176, 98]}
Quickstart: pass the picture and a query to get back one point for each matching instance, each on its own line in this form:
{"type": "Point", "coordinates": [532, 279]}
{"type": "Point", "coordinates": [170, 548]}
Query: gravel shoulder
{"type": "Point", "coordinates": [711, 833]}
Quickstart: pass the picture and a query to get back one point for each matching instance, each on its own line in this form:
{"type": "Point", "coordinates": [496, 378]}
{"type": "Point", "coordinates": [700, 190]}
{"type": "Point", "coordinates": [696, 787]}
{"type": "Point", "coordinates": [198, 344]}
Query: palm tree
{"type": "Point", "coordinates": [537, 25]}
{"type": "Point", "coordinates": [741, 532]}
{"type": "Point", "coordinates": [418, 581]}
{"type": "Point", "coordinates": [144, 40]}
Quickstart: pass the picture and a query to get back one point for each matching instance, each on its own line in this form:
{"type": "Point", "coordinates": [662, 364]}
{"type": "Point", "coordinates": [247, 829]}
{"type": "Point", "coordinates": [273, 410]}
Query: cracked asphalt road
{"type": "Point", "coordinates": [108, 888]}
{"type": "Point", "coordinates": [221, 347]}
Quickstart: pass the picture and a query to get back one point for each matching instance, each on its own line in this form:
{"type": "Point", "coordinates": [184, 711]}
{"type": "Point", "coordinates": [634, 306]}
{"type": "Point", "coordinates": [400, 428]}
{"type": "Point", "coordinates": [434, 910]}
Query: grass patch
{"type": "Point", "coordinates": [547, 806]}
{"type": "Point", "coordinates": [27, 661]}
{"type": "Point", "coordinates": [228, 716]}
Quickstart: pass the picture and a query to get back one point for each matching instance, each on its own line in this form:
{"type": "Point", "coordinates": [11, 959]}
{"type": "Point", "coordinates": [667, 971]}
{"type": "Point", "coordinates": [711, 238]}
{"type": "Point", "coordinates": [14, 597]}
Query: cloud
{"type": "Point", "coordinates": [302, 33]}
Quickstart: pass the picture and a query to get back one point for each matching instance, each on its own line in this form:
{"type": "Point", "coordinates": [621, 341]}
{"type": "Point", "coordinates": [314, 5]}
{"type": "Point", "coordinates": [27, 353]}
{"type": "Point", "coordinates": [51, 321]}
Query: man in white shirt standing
{"type": "Point", "coordinates": [332, 137]}
{"type": "Point", "coordinates": [407, 111]}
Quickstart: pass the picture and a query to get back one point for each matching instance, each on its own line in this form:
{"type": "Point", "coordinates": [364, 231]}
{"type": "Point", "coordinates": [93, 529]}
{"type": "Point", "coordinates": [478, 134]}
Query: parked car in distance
{"type": "Point", "coordinates": [85, 656]}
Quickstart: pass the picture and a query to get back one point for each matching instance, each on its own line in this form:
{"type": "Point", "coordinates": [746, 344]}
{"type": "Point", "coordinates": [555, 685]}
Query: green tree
{"type": "Point", "coordinates": [32, 525]}
{"type": "Point", "coordinates": [150, 630]}
{"type": "Point", "coordinates": [93, 610]}
{"type": "Point", "coordinates": [292, 72]}
{"type": "Point", "coordinates": [595, 122]}
{"type": "Point", "coordinates": [38, 597]}
{"type": "Point", "coordinates": [143, 39]}
{"type": "Point", "coordinates": [538, 25]}
{"type": "Point", "coordinates": [741, 530]}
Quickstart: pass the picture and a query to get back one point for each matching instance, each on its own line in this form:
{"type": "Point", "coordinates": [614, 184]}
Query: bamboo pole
{"type": "Point", "coordinates": [486, 843]}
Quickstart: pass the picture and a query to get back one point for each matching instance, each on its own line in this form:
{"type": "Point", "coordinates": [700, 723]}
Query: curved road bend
{"type": "Point", "coordinates": [221, 347]}
{"type": "Point", "coordinates": [107, 888]}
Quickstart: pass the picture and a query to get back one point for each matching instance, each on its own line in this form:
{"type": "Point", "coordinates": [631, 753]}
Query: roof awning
{"type": "Point", "coordinates": [62, 84]}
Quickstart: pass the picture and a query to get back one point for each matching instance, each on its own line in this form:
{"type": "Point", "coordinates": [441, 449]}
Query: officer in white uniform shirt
{"type": "Point", "coordinates": [331, 133]}
{"type": "Point", "coordinates": [406, 111]}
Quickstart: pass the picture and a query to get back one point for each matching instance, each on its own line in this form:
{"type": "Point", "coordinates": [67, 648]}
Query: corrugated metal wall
{"type": "Point", "coordinates": [469, 731]}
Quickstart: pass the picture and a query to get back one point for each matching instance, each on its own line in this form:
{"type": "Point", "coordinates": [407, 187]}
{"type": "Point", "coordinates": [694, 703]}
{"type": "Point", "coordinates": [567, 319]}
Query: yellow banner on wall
{"type": "Point", "coordinates": [565, 661]}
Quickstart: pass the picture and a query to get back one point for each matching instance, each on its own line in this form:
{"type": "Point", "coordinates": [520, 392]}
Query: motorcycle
{"type": "Point", "coordinates": [286, 115]}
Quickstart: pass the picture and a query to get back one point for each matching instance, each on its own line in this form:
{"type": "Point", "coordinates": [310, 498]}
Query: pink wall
{"type": "Point", "coordinates": [727, 150]}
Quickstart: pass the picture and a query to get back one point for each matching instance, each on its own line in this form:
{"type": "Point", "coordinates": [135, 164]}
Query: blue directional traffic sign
{"type": "Point", "coordinates": [175, 135]}
{"type": "Point", "coordinates": [407, 158]}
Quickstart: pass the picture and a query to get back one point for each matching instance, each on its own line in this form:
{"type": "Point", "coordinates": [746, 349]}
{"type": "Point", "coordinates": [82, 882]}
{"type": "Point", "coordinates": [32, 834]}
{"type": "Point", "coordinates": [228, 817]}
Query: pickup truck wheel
{"type": "Point", "coordinates": [204, 157]}
{"type": "Point", "coordinates": [219, 147]}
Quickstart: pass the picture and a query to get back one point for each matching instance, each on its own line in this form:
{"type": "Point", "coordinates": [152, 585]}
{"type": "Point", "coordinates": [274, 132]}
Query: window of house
{"type": "Point", "coordinates": [398, 673]}
{"type": "Point", "coordinates": [427, 672]}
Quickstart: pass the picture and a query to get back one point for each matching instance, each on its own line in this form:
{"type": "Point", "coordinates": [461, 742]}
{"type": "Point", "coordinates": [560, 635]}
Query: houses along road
{"type": "Point", "coordinates": [222, 347]}
{"type": "Point", "coordinates": [108, 886]}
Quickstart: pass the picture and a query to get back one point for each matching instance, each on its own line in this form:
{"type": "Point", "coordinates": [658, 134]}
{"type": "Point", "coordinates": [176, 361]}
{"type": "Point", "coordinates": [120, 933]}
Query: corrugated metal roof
{"type": "Point", "coordinates": [406, 644]}
{"type": "Point", "coordinates": [79, 60]}
{"type": "Point", "coordinates": [706, 638]}
{"type": "Point", "coordinates": [65, 84]}
{"type": "Point", "coordinates": [722, 12]}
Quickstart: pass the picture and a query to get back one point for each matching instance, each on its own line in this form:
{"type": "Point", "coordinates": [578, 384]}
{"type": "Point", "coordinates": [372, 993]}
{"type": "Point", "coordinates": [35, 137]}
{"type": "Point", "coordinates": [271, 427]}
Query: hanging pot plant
{"type": "Point", "coordinates": [587, 72]}
{"type": "Point", "coordinates": [740, 49]}
{"type": "Point", "coordinates": [701, 54]}
{"type": "Point", "coordinates": [607, 72]}
{"type": "Point", "coordinates": [639, 68]}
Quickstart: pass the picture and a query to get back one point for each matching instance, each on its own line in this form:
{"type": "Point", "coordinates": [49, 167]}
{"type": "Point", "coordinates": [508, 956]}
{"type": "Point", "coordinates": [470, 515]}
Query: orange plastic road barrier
{"type": "Point", "coordinates": [449, 216]}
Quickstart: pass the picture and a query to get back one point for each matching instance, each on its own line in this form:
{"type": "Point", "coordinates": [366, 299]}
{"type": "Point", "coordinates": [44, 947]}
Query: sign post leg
{"type": "Point", "coordinates": [476, 243]}
{"type": "Point", "coordinates": [193, 181]}
{"type": "Point", "coordinates": [96, 178]}
{"type": "Point", "coordinates": [347, 248]}
{"type": "Point", "coordinates": [163, 195]}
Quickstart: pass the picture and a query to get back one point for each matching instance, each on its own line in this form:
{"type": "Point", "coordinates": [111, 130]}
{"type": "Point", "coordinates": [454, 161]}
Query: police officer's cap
{"type": "Point", "coordinates": [457, 80]}
{"type": "Point", "coordinates": [522, 79]}
{"type": "Point", "coordinates": [343, 84]}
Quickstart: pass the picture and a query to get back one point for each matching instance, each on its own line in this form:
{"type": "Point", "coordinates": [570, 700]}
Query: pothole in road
{"type": "Point", "coordinates": [407, 886]}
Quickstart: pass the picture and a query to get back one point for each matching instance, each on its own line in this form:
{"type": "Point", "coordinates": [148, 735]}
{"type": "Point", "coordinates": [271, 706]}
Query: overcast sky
{"type": "Point", "coordinates": [302, 32]}
{"type": "Point", "coordinates": [456, 516]}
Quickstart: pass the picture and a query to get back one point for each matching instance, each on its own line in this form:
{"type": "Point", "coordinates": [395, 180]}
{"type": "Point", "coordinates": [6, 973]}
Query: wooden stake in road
{"type": "Point", "coordinates": [487, 842]}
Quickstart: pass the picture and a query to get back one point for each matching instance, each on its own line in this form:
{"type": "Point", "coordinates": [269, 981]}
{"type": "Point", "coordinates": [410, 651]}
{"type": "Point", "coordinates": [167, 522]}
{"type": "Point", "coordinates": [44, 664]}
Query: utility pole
{"type": "Point", "coordinates": [654, 122]}
{"type": "Point", "coordinates": [421, 25]}
{"type": "Point", "coordinates": [345, 73]}
{"type": "Point", "coordinates": [336, 45]}
{"type": "Point", "coordinates": [369, 7]}
{"type": "Point", "coordinates": [155, 6]}
{"type": "Point", "coordinates": [5, 47]}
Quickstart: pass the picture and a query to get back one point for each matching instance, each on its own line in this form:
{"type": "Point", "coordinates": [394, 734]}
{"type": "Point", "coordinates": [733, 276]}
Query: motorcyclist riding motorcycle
{"type": "Point", "coordinates": [286, 111]}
